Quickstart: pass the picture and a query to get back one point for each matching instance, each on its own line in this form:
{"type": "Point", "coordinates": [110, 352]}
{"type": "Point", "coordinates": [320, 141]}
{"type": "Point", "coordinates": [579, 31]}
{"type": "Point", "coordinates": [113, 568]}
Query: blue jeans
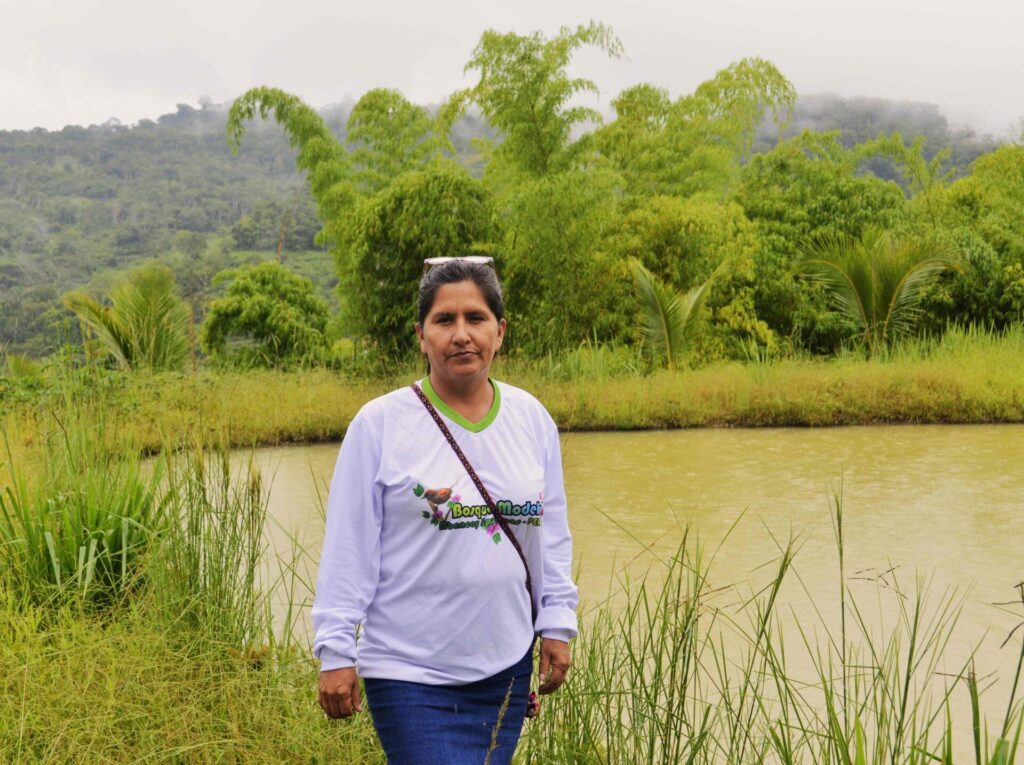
{"type": "Point", "coordinates": [422, 724]}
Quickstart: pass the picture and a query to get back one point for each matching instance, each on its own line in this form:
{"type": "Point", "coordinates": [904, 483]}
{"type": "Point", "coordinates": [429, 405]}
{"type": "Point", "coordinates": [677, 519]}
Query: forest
{"type": "Point", "coordinates": [597, 221]}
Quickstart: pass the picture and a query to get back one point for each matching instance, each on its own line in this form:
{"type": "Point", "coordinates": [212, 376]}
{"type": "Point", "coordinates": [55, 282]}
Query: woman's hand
{"type": "Point", "coordinates": [554, 663]}
{"type": "Point", "coordinates": [339, 692]}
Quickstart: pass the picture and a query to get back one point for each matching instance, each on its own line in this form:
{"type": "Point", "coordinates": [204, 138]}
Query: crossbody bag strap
{"type": "Point", "coordinates": [498, 517]}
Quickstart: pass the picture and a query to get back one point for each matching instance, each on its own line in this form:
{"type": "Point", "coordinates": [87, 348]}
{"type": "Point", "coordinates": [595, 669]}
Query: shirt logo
{"type": "Point", "coordinates": [448, 513]}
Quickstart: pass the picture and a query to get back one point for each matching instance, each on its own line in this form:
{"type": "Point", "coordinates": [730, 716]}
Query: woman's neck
{"type": "Point", "coordinates": [472, 400]}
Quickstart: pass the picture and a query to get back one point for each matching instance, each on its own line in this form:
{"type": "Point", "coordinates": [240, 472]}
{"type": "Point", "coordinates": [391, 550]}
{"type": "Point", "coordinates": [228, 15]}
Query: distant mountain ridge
{"type": "Point", "coordinates": [862, 118]}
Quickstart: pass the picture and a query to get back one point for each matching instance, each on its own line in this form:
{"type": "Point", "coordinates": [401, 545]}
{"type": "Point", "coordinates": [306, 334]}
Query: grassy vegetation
{"type": "Point", "coordinates": [135, 612]}
{"type": "Point", "coordinates": [968, 376]}
{"type": "Point", "coordinates": [692, 670]}
{"type": "Point", "coordinates": [186, 668]}
{"type": "Point", "coordinates": [80, 689]}
{"type": "Point", "coordinates": [135, 608]}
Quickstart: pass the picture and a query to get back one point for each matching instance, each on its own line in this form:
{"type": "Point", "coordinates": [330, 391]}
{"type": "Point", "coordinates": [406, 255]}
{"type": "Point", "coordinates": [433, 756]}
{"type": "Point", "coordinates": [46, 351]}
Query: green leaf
{"type": "Point", "coordinates": [876, 282]}
{"type": "Point", "coordinates": [669, 319]}
{"type": "Point", "coordinates": [860, 751]}
{"type": "Point", "coordinates": [146, 324]}
{"type": "Point", "coordinates": [1002, 754]}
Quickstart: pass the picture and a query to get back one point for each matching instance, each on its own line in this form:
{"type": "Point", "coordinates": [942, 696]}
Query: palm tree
{"type": "Point", "coordinates": [146, 324]}
{"type": "Point", "coordinates": [669, 319]}
{"type": "Point", "coordinates": [876, 281]}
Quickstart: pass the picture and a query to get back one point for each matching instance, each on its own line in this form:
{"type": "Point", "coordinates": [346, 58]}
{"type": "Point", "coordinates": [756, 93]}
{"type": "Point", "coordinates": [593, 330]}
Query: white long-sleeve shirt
{"type": "Point", "coordinates": [413, 554]}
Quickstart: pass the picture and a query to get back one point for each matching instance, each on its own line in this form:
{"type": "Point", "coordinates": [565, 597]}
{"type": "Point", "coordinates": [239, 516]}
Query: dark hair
{"type": "Point", "coordinates": [452, 272]}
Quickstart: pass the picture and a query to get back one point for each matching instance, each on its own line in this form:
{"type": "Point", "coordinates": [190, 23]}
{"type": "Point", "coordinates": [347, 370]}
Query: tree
{"type": "Point", "coordinates": [524, 91]}
{"type": "Point", "coordinates": [325, 161]}
{"type": "Point", "coordinates": [698, 143]}
{"type": "Point", "coordinates": [807, 188]}
{"type": "Point", "coordinates": [991, 201]}
{"type": "Point", "coordinates": [634, 140]}
{"type": "Point", "coordinates": [985, 209]}
{"type": "Point", "coordinates": [925, 179]}
{"type": "Point", "coordinates": [565, 285]}
{"type": "Point", "coordinates": [682, 242]}
{"type": "Point", "coordinates": [190, 243]}
{"type": "Point", "coordinates": [711, 131]}
{"type": "Point", "coordinates": [876, 282]}
{"type": "Point", "coordinates": [144, 326]}
{"type": "Point", "coordinates": [391, 136]}
{"type": "Point", "coordinates": [277, 311]}
{"type": "Point", "coordinates": [427, 213]}
{"type": "Point", "coordinates": [979, 293]}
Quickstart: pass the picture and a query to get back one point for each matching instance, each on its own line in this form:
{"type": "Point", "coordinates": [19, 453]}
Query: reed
{"type": "Point", "coordinates": [688, 671]}
{"type": "Point", "coordinates": [207, 555]}
{"type": "Point", "coordinates": [77, 523]}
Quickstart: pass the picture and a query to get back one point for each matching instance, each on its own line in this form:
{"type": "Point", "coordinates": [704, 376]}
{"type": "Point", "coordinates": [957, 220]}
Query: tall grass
{"type": "Point", "coordinates": [688, 671]}
{"type": "Point", "coordinates": [206, 565]}
{"type": "Point", "coordinates": [183, 662]}
{"type": "Point", "coordinates": [79, 521]}
{"type": "Point", "coordinates": [966, 376]}
{"type": "Point", "coordinates": [682, 669]}
{"type": "Point", "coordinates": [959, 343]}
{"type": "Point", "coordinates": [133, 689]}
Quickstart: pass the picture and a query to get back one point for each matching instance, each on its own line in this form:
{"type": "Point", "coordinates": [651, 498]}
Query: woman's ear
{"type": "Point", "coordinates": [419, 336]}
{"type": "Point", "coordinates": [502, 324]}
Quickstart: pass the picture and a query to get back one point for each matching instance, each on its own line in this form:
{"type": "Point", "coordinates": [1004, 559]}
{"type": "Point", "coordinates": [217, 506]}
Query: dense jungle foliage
{"type": "Point", "coordinates": [739, 179]}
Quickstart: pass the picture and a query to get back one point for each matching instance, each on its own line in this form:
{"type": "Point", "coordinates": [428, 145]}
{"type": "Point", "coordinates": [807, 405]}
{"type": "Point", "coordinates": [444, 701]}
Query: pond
{"type": "Point", "coordinates": [941, 502]}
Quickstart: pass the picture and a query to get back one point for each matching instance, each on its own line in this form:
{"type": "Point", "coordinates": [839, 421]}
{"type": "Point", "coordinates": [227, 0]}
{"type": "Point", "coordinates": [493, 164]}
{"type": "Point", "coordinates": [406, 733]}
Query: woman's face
{"type": "Point", "coordinates": [460, 334]}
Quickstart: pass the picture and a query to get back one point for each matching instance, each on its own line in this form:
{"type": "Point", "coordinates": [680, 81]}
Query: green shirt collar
{"type": "Point", "coordinates": [458, 419]}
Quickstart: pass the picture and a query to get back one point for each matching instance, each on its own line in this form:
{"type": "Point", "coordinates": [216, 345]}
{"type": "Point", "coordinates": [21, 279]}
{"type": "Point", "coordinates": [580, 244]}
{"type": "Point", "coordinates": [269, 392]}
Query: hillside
{"type": "Point", "coordinates": [83, 203]}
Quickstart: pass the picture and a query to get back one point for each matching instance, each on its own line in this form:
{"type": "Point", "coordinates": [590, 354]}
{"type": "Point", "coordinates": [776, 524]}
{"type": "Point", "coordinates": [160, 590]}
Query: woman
{"type": "Point", "coordinates": [414, 552]}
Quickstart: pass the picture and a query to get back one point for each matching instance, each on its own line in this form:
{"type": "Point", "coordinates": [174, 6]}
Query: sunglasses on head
{"type": "Point", "coordinates": [479, 260]}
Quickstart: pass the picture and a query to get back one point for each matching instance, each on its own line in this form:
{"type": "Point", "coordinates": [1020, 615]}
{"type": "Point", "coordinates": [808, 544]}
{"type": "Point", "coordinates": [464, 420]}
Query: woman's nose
{"type": "Point", "coordinates": [461, 331]}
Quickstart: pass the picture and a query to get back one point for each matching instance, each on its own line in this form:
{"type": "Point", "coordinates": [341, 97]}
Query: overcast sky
{"type": "Point", "coordinates": [84, 61]}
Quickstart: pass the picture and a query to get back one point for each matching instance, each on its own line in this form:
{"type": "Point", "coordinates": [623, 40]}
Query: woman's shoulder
{"type": "Point", "coordinates": [380, 410]}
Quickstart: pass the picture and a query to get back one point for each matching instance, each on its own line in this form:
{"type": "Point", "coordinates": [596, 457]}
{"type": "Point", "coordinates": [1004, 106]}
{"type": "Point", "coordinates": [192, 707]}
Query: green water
{"type": "Point", "coordinates": [947, 500]}
{"type": "Point", "coordinates": [943, 502]}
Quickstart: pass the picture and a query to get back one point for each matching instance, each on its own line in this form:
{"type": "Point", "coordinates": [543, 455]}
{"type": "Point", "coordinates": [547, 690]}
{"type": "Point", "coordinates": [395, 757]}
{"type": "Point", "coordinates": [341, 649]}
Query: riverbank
{"type": "Point", "coordinates": [978, 379]}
